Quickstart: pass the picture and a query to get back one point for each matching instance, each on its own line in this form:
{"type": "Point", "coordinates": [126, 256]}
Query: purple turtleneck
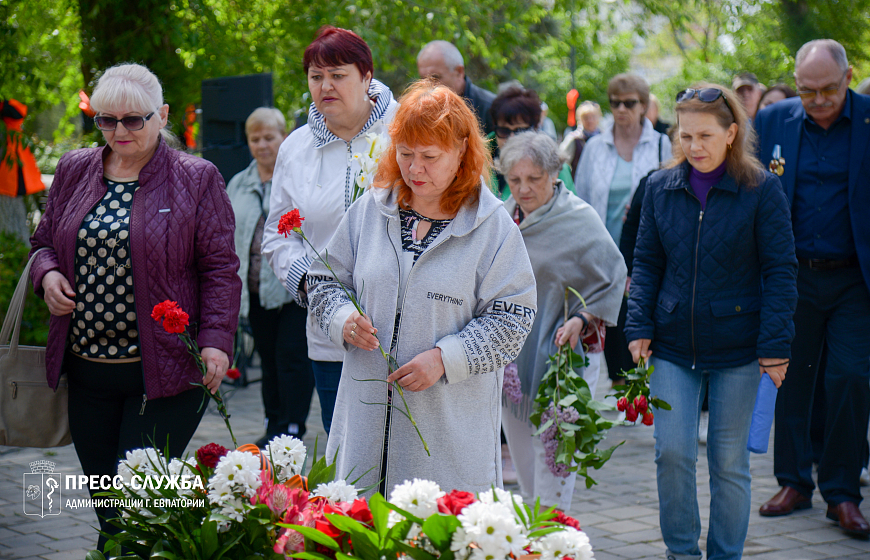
{"type": "Point", "coordinates": [702, 182]}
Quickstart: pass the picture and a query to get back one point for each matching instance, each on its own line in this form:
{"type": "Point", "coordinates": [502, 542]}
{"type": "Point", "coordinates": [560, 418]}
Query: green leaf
{"type": "Point", "coordinates": [209, 538]}
{"type": "Point", "coordinates": [310, 556]}
{"type": "Point", "coordinates": [95, 555]}
{"type": "Point", "coordinates": [659, 403]}
{"type": "Point", "coordinates": [598, 406]}
{"type": "Point", "coordinates": [439, 527]}
{"type": "Point", "coordinates": [414, 552]}
{"type": "Point", "coordinates": [568, 401]}
{"type": "Point", "coordinates": [543, 428]}
{"type": "Point", "coordinates": [312, 534]}
{"type": "Point", "coordinates": [380, 516]}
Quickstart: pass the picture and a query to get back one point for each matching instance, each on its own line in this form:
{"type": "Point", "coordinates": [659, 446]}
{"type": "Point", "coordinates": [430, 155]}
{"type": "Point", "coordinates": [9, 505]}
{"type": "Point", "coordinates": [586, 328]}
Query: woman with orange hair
{"type": "Point", "coordinates": [449, 293]}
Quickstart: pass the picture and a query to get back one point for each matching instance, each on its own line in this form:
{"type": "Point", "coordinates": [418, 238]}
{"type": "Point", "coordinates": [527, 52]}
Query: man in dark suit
{"type": "Point", "coordinates": [823, 140]}
{"type": "Point", "coordinates": [442, 61]}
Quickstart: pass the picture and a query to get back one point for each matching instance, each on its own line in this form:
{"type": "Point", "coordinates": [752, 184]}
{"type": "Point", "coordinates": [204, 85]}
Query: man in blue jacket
{"type": "Point", "coordinates": [819, 143]}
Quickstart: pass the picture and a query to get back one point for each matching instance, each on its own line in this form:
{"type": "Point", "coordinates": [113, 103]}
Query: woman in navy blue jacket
{"type": "Point", "coordinates": [712, 298]}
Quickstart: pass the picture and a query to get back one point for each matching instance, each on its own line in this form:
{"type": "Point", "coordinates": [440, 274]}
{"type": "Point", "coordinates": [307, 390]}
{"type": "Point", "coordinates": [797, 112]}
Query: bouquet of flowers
{"type": "Point", "coordinates": [634, 399]}
{"type": "Point", "coordinates": [220, 503]}
{"type": "Point", "coordinates": [422, 522]}
{"type": "Point", "coordinates": [368, 163]}
{"type": "Point", "coordinates": [567, 416]}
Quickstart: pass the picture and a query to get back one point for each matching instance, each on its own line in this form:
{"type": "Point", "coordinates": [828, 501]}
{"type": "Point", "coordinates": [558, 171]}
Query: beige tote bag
{"type": "Point", "coordinates": [31, 413]}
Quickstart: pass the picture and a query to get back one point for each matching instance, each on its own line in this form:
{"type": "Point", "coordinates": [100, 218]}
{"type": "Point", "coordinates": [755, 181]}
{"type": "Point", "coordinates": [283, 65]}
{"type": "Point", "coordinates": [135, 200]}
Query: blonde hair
{"type": "Point", "coordinates": [741, 163]}
{"type": "Point", "coordinates": [588, 107]}
{"type": "Point", "coordinates": [266, 117]}
{"type": "Point", "coordinates": [131, 87]}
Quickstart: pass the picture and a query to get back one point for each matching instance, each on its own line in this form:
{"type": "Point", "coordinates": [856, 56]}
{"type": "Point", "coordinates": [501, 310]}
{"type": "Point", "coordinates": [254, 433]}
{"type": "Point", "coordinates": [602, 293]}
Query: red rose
{"type": "Point", "coordinates": [648, 418]}
{"type": "Point", "coordinates": [640, 404]}
{"type": "Point", "coordinates": [175, 320]}
{"type": "Point", "coordinates": [361, 512]}
{"type": "Point", "coordinates": [233, 373]}
{"type": "Point", "coordinates": [622, 404]}
{"type": "Point", "coordinates": [566, 520]}
{"type": "Point", "coordinates": [454, 502]}
{"type": "Point", "coordinates": [291, 221]}
{"type": "Point", "coordinates": [161, 308]}
{"type": "Point", "coordinates": [631, 413]}
{"type": "Point", "coordinates": [210, 454]}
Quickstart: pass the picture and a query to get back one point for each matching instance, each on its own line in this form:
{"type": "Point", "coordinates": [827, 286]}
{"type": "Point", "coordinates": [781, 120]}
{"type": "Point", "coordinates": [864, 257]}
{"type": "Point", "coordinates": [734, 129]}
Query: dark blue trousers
{"type": "Point", "coordinates": [833, 314]}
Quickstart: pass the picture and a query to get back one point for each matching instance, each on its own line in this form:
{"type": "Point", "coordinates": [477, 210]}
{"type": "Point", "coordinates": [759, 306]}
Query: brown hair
{"type": "Point", "coordinates": [431, 114]}
{"type": "Point", "coordinates": [626, 84]}
{"type": "Point", "coordinates": [741, 163]}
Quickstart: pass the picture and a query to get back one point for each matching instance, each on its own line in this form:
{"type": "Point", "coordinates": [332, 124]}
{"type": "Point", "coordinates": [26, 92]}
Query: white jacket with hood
{"type": "Point", "coordinates": [315, 172]}
{"type": "Point", "coordinates": [472, 294]}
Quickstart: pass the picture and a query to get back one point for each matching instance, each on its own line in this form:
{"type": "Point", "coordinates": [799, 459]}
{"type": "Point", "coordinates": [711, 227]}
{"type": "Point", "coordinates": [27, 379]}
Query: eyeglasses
{"type": "Point", "coordinates": [504, 132]}
{"type": "Point", "coordinates": [629, 103]}
{"type": "Point", "coordinates": [706, 95]}
{"type": "Point", "coordinates": [131, 123]}
{"type": "Point", "coordinates": [829, 91]}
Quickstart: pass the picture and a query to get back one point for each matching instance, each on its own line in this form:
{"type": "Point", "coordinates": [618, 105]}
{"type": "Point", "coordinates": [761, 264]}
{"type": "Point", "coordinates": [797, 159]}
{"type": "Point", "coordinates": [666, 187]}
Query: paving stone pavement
{"type": "Point", "coordinates": [620, 513]}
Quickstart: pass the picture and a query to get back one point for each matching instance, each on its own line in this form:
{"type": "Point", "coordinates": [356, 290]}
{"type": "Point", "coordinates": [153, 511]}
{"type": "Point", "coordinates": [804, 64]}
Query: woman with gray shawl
{"type": "Point", "coordinates": [568, 245]}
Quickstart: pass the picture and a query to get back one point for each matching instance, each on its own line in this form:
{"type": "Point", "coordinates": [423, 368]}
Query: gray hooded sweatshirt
{"type": "Point", "coordinates": [472, 294]}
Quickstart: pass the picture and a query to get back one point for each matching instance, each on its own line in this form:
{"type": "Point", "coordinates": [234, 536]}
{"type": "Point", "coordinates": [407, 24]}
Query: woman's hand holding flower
{"type": "Point", "coordinates": [640, 349]}
{"type": "Point", "coordinates": [217, 363]}
{"type": "Point", "coordinates": [574, 328]}
{"type": "Point", "coordinates": [420, 373]}
{"type": "Point", "coordinates": [360, 332]}
{"type": "Point", "coordinates": [59, 295]}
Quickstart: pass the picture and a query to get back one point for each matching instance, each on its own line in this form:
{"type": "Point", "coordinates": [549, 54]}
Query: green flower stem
{"type": "Point", "coordinates": [193, 348]}
{"type": "Point", "coordinates": [386, 356]}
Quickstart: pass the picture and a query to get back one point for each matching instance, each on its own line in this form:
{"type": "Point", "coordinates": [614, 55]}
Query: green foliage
{"type": "Point", "coordinates": [13, 259]}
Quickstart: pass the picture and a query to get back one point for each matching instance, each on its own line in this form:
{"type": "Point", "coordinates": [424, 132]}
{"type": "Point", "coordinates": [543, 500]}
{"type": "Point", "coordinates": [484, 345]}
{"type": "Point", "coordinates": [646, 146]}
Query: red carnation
{"type": "Point", "coordinates": [566, 520]}
{"type": "Point", "coordinates": [454, 502]}
{"type": "Point", "coordinates": [631, 413]}
{"type": "Point", "coordinates": [622, 404]}
{"type": "Point", "coordinates": [640, 404]}
{"type": "Point", "coordinates": [648, 418]}
{"type": "Point", "coordinates": [161, 308]}
{"type": "Point", "coordinates": [175, 320]}
{"type": "Point", "coordinates": [291, 221]}
{"type": "Point", "coordinates": [210, 454]}
{"type": "Point", "coordinates": [233, 373]}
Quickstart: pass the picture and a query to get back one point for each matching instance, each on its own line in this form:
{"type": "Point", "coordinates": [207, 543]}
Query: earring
{"type": "Point", "coordinates": [729, 146]}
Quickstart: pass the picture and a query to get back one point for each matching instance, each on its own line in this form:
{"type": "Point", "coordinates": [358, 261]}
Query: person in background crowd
{"type": "Point", "coordinates": [609, 171]}
{"type": "Point", "coordinates": [443, 62]}
{"type": "Point", "coordinates": [315, 173]}
{"type": "Point", "coordinates": [547, 126]}
{"type": "Point", "coordinates": [864, 87]}
{"type": "Point", "coordinates": [516, 110]}
{"type": "Point", "coordinates": [588, 115]}
{"type": "Point", "coordinates": [128, 226]}
{"type": "Point", "coordinates": [775, 93]}
{"type": "Point", "coordinates": [652, 114]}
{"type": "Point", "coordinates": [829, 190]}
{"type": "Point", "coordinates": [545, 210]}
{"type": "Point", "coordinates": [431, 236]}
{"type": "Point", "coordinates": [277, 323]}
{"type": "Point", "coordinates": [749, 90]}
{"type": "Point", "coordinates": [712, 297]}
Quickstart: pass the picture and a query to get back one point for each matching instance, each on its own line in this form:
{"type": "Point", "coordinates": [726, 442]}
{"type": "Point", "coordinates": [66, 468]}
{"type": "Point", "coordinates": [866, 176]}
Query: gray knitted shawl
{"type": "Point", "coordinates": [568, 245]}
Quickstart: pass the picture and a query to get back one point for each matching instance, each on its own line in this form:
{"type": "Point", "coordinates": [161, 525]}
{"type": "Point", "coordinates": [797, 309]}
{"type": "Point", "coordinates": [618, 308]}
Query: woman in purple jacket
{"type": "Point", "coordinates": [128, 226]}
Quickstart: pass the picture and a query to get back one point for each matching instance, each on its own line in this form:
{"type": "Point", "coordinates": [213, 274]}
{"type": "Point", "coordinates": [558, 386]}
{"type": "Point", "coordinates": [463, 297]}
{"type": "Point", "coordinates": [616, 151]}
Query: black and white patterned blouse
{"type": "Point", "coordinates": [104, 321]}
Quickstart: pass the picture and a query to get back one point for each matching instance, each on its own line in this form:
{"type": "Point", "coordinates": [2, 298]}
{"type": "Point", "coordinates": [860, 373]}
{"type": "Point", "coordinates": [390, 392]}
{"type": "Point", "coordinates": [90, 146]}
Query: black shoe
{"type": "Point", "coordinates": [264, 441]}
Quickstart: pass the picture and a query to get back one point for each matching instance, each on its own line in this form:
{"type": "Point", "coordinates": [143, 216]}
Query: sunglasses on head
{"type": "Point", "coordinates": [629, 103]}
{"type": "Point", "coordinates": [131, 123]}
{"type": "Point", "coordinates": [504, 132]}
{"type": "Point", "coordinates": [706, 95]}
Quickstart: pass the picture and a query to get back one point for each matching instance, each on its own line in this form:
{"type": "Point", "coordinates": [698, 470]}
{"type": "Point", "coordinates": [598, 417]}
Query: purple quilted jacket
{"type": "Point", "coordinates": [181, 247]}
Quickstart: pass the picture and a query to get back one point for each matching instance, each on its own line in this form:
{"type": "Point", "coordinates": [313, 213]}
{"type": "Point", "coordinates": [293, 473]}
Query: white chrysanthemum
{"type": "Point", "coordinates": [183, 468]}
{"type": "Point", "coordinates": [236, 474]}
{"type": "Point", "coordinates": [234, 507]}
{"type": "Point", "coordinates": [569, 542]}
{"type": "Point", "coordinates": [492, 528]}
{"type": "Point", "coordinates": [417, 497]}
{"type": "Point", "coordinates": [287, 454]}
{"type": "Point", "coordinates": [502, 495]}
{"type": "Point", "coordinates": [143, 463]}
{"type": "Point", "coordinates": [336, 491]}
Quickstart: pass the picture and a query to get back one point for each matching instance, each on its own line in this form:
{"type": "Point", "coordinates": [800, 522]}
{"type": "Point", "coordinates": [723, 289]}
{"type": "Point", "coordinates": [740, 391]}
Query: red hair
{"type": "Point", "coordinates": [336, 47]}
{"type": "Point", "coordinates": [431, 114]}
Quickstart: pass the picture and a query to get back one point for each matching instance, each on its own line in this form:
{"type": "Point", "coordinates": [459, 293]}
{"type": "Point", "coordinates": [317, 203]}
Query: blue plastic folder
{"type": "Point", "coordinates": [762, 416]}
